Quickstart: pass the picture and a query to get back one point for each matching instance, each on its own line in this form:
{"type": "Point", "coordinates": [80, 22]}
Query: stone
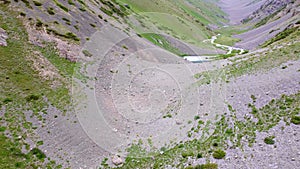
{"type": "Point", "coordinates": [178, 122]}
{"type": "Point", "coordinates": [116, 160]}
{"type": "Point", "coordinates": [3, 37]}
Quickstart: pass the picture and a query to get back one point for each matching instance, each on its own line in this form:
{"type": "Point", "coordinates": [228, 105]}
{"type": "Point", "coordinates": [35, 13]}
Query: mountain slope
{"type": "Point", "coordinates": [101, 84]}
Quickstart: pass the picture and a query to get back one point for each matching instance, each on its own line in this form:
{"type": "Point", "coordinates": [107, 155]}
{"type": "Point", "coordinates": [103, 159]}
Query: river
{"type": "Point", "coordinates": [200, 59]}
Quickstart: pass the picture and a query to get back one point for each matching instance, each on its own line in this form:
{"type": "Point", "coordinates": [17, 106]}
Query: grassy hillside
{"type": "Point", "coordinates": [25, 92]}
{"type": "Point", "coordinates": [186, 20]}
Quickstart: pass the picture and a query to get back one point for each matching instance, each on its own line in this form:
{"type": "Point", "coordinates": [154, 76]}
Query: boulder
{"type": "Point", "coordinates": [3, 37]}
{"type": "Point", "coordinates": [116, 160]}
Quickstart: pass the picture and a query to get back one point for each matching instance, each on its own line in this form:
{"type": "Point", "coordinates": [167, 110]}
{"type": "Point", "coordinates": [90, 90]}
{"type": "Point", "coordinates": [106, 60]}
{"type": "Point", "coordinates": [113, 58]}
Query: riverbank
{"type": "Point", "coordinates": [230, 51]}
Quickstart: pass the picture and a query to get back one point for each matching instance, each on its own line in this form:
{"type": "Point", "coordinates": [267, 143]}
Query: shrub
{"type": "Point", "coordinates": [40, 143]}
{"type": "Point", "coordinates": [197, 117]}
{"type": "Point", "coordinates": [82, 9]}
{"type": "Point", "coordinates": [296, 120]}
{"type": "Point", "coordinates": [61, 6]}
{"type": "Point", "coordinates": [219, 154]}
{"type": "Point", "coordinates": [38, 23]}
{"type": "Point", "coordinates": [7, 100]}
{"type": "Point", "coordinates": [106, 11]}
{"type": "Point", "coordinates": [92, 25]}
{"type": "Point", "coordinates": [199, 155]}
{"type": "Point", "coordinates": [87, 53]}
{"type": "Point", "coordinates": [36, 3]}
{"type": "Point", "coordinates": [204, 166]}
{"type": "Point", "coordinates": [71, 35]}
{"type": "Point", "coordinates": [26, 2]}
{"type": "Point", "coordinates": [2, 128]}
{"type": "Point", "coordinates": [70, 2]}
{"type": "Point", "coordinates": [22, 14]}
{"type": "Point", "coordinates": [269, 140]}
{"type": "Point", "coordinates": [32, 97]}
{"type": "Point", "coordinates": [38, 153]}
{"type": "Point", "coordinates": [51, 11]}
{"type": "Point", "coordinates": [187, 154]}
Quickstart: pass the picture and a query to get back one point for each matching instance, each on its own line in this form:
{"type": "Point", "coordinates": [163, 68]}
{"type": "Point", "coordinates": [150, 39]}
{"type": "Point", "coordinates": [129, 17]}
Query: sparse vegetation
{"type": "Point", "coordinates": [204, 166]}
{"type": "Point", "coordinates": [61, 6]}
{"type": "Point", "coordinates": [295, 120]}
{"type": "Point", "coordinates": [282, 35]}
{"type": "Point", "coordinates": [269, 140]}
{"type": "Point", "coordinates": [50, 11]}
{"type": "Point", "coordinates": [21, 89]}
{"type": "Point", "coordinates": [87, 53]}
{"type": "Point", "coordinates": [159, 40]}
{"type": "Point", "coordinates": [37, 3]}
{"type": "Point", "coordinates": [24, 91]}
{"type": "Point", "coordinates": [219, 154]}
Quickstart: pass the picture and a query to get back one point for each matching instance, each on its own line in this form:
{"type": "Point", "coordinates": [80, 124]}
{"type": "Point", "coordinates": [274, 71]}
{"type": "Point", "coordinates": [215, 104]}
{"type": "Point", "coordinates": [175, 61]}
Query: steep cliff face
{"type": "Point", "coordinates": [268, 9]}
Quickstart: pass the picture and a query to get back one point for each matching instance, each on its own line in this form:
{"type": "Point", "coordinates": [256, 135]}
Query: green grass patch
{"type": "Point", "coordinates": [282, 35]}
{"type": "Point", "coordinates": [160, 41]}
{"type": "Point", "coordinates": [219, 154]}
{"type": "Point", "coordinates": [22, 90]}
{"type": "Point", "coordinates": [226, 40]}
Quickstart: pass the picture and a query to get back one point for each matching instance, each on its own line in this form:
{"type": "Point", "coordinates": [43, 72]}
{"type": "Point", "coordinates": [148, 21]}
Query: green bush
{"type": "Point", "coordinates": [295, 120]}
{"type": "Point", "coordinates": [281, 36]}
{"type": "Point", "coordinates": [71, 35]}
{"type": "Point", "coordinates": [219, 154]}
{"type": "Point", "coordinates": [32, 97]}
{"type": "Point", "coordinates": [7, 100]}
{"type": "Point", "coordinates": [204, 166]}
{"type": "Point", "coordinates": [269, 140]}
{"type": "Point", "coordinates": [187, 154]}
{"type": "Point", "coordinates": [61, 6]}
{"type": "Point", "coordinates": [38, 23]}
{"type": "Point", "coordinates": [51, 11]}
{"type": "Point", "coordinates": [2, 128]}
{"type": "Point", "coordinates": [199, 155]}
{"type": "Point", "coordinates": [26, 2]}
{"type": "Point", "coordinates": [106, 11]}
{"type": "Point", "coordinates": [38, 153]}
{"type": "Point", "coordinates": [87, 53]}
{"type": "Point", "coordinates": [70, 2]}
{"type": "Point", "coordinates": [37, 3]}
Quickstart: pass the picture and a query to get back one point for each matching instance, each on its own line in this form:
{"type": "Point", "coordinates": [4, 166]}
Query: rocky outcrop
{"type": "Point", "coordinates": [3, 37]}
{"type": "Point", "coordinates": [269, 8]}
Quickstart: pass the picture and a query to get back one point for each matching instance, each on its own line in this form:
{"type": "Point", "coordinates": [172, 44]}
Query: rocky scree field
{"type": "Point", "coordinates": [103, 84]}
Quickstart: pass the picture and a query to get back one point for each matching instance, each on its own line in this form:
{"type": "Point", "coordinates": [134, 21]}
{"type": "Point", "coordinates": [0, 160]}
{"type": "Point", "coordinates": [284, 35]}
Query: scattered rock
{"type": "Point", "coordinates": [116, 160]}
{"type": "Point", "coordinates": [3, 37]}
{"type": "Point", "coordinates": [178, 122]}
